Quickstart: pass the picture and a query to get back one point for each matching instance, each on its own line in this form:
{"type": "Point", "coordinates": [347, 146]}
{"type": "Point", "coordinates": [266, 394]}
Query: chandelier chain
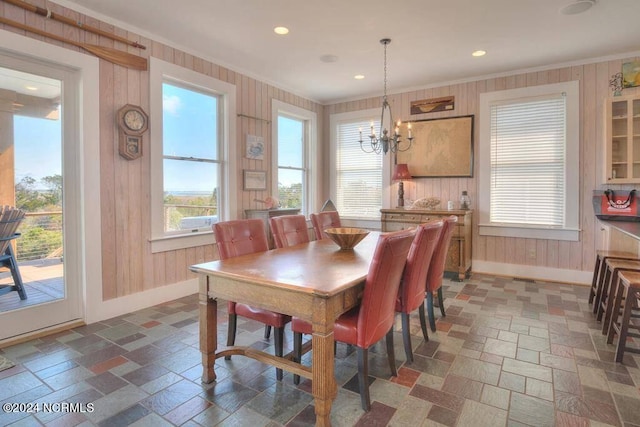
{"type": "Point", "coordinates": [385, 70]}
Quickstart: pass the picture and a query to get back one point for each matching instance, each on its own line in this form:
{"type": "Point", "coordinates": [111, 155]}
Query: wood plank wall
{"type": "Point", "coordinates": [130, 267]}
{"type": "Point", "coordinates": [594, 89]}
{"type": "Point", "coordinates": [127, 262]}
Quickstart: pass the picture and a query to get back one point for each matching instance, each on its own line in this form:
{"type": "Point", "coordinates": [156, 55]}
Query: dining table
{"type": "Point", "coordinates": [315, 281]}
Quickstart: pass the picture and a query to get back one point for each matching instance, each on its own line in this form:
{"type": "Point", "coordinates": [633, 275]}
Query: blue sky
{"type": "Point", "coordinates": [38, 150]}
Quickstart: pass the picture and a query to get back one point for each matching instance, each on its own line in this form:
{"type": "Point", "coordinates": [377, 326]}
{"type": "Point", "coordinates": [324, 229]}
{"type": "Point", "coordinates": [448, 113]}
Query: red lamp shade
{"type": "Point", "coordinates": [401, 172]}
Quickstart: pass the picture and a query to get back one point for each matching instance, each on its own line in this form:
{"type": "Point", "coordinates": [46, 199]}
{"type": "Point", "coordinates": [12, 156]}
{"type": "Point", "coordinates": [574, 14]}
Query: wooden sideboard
{"type": "Point", "coordinates": [265, 214]}
{"type": "Point", "coordinates": [459, 255]}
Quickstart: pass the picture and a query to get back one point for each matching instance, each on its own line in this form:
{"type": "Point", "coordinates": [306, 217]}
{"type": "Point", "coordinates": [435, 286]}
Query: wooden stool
{"type": "Point", "coordinates": [628, 288]}
{"type": "Point", "coordinates": [604, 303]}
{"type": "Point", "coordinates": [598, 270]}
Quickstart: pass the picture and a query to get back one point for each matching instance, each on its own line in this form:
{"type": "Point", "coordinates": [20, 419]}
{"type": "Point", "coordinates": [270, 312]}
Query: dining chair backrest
{"type": "Point", "coordinates": [436, 269]}
{"type": "Point", "coordinates": [376, 314]}
{"type": "Point", "coordinates": [289, 230]}
{"type": "Point", "coordinates": [323, 220]}
{"type": "Point", "coordinates": [412, 287]}
{"type": "Point", "coordinates": [240, 237]}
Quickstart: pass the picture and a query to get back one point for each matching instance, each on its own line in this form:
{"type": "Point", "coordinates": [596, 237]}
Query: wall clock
{"type": "Point", "coordinates": [133, 122]}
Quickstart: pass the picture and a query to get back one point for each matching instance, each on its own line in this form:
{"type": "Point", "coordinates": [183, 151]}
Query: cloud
{"type": "Point", "coordinates": [171, 104]}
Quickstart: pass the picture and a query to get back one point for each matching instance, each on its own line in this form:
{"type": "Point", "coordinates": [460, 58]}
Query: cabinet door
{"type": "Point", "coordinates": [623, 140]}
{"type": "Point", "coordinates": [617, 147]}
{"type": "Point", "coordinates": [634, 137]}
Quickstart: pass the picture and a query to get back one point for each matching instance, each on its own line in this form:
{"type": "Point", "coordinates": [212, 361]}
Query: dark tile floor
{"type": "Point", "coordinates": [508, 353]}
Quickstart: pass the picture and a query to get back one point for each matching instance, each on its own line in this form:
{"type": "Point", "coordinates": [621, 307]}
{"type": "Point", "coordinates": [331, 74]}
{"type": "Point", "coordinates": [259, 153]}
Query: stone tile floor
{"type": "Point", "coordinates": [508, 353]}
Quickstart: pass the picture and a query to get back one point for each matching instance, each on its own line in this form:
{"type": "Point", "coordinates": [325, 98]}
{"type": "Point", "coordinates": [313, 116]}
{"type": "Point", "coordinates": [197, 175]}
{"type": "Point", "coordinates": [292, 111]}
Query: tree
{"type": "Point", "coordinates": [54, 184]}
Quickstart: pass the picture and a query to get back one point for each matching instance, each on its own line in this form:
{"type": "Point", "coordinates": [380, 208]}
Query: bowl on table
{"type": "Point", "coordinates": [346, 237]}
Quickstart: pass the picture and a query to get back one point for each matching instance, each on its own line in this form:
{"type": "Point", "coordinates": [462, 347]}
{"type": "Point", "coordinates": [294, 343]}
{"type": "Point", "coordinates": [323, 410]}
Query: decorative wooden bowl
{"type": "Point", "coordinates": [346, 237]}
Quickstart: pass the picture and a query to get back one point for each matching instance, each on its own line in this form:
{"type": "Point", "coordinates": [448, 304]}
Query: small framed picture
{"type": "Point", "coordinates": [631, 74]}
{"type": "Point", "coordinates": [255, 147]}
{"type": "Point", "coordinates": [255, 180]}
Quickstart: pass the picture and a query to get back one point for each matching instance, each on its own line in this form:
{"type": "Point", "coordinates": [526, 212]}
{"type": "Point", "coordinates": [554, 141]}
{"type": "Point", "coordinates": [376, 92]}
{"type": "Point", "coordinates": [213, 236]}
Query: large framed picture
{"type": "Point", "coordinates": [440, 148]}
{"type": "Point", "coordinates": [255, 180]}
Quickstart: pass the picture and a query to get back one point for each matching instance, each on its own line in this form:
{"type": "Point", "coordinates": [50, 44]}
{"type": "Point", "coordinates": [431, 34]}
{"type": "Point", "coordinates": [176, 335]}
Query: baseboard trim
{"type": "Point", "coordinates": [102, 310]}
{"type": "Point", "coordinates": [548, 274]}
{"type": "Point", "coordinates": [19, 339]}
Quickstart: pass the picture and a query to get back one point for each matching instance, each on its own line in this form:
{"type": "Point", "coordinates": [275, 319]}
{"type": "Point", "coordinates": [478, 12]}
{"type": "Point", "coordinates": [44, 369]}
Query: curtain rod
{"type": "Point", "coordinates": [253, 117]}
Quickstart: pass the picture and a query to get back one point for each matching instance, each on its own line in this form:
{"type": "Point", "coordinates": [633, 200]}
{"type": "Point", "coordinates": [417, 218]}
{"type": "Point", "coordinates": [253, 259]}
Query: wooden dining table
{"type": "Point", "coordinates": [315, 281]}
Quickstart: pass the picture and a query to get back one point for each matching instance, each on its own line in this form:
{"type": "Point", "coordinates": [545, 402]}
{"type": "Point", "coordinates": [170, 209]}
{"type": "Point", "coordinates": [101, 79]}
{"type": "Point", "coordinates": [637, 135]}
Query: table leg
{"type": "Point", "coordinates": [324, 382]}
{"type": "Point", "coordinates": [208, 330]}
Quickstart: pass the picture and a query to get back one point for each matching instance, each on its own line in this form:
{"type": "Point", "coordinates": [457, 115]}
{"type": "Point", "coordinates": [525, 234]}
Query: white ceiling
{"type": "Point", "coordinates": [432, 40]}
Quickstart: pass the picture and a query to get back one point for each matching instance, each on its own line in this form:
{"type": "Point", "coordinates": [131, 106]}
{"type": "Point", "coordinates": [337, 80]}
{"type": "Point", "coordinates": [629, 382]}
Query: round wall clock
{"type": "Point", "coordinates": [132, 119]}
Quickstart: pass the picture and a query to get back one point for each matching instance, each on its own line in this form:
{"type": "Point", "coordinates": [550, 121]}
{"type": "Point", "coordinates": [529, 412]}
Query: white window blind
{"type": "Point", "coordinates": [358, 174]}
{"type": "Point", "coordinates": [528, 140]}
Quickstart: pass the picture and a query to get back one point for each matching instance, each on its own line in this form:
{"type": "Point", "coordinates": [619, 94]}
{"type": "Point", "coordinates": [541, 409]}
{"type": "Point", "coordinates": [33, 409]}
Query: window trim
{"type": "Point", "coordinates": [571, 229]}
{"type": "Point", "coordinates": [366, 115]}
{"type": "Point", "coordinates": [310, 150]}
{"type": "Point", "coordinates": [159, 71]}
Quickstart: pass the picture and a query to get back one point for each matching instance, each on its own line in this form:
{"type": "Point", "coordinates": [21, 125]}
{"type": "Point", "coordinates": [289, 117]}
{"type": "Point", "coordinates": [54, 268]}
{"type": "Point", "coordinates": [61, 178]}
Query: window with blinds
{"type": "Point", "coordinates": [528, 141]}
{"type": "Point", "coordinates": [358, 174]}
{"type": "Point", "coordinates": [529, 158]}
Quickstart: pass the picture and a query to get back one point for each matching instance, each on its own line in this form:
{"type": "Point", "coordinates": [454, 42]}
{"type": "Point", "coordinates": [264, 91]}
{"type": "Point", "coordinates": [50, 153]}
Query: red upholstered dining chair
{"type": "Point", "coordinates": [436, 268]}
{"type": "Point", "coordinates": [242, 237]}
{"type": "Point", "coordinates": [365, 324]}
{"type": "Point", "coordinates": [289, 230]}
{"type": "Point", "coordinates": [323, 220]}
{"type": "Point", "coordinates": [412, 286]}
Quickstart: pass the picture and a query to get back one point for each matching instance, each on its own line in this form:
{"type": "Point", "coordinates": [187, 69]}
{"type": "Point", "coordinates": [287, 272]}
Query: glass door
{"type": "Point", "coordinates": [34, 153]}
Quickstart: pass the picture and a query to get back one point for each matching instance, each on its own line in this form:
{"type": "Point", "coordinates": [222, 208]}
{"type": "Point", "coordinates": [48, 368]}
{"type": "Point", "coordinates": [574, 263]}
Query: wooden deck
{"type": "Point", "coordinates": [44, 282]}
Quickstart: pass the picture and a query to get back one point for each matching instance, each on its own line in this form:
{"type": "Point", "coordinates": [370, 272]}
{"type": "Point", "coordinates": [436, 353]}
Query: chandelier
{"type": "Point", "coordinates": [385, 142]}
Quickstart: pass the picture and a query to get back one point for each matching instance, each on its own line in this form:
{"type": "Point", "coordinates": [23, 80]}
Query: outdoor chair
{"type": "Point", "coordinates": [10, 219]}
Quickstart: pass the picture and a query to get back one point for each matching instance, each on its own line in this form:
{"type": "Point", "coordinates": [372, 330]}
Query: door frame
{"type": "Point", "coordinates": [82, 240]}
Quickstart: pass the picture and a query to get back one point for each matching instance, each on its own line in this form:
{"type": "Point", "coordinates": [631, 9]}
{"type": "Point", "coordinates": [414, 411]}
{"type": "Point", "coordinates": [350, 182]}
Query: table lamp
{"type": "Point", "coordinates": [401, 173]}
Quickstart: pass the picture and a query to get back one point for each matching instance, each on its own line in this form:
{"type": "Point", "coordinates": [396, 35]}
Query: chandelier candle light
{"type": "Point", "coordinates": [385, 142]}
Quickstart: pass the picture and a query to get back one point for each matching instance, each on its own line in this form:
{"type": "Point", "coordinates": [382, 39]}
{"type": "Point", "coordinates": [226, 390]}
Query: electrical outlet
{"type": "Point", "coordinates": [532, 253]}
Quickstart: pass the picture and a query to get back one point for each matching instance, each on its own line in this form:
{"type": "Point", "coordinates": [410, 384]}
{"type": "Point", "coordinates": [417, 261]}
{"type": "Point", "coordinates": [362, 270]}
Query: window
{"type": "Point", "coordinates": [529, 162]}
{"type": "Point", "coordinates": [356, 178]}
{"type": "Point", "coordinates": [294, 156]}
{"type": "Point", "coordinates": [291, 165]}
{"type": "Point", "coordinates": [191, 166]}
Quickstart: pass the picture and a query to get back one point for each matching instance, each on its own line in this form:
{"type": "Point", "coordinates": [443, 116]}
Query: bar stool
{"type": "Point", "coordinates": [604, 300]}
{"type": "Point", "coordinates": [628, 289]}
{"type": "Point", "coordinates": [598, 271]}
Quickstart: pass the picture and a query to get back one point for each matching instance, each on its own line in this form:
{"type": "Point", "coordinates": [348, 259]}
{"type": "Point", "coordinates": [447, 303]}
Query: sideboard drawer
{"type": "Point", "coordinates": [417, 218]}
{"type": "Point", "coordinates": [397, 226]}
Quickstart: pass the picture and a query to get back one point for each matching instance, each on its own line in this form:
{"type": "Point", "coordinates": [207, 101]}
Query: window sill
{"type": "Point", "coordinates": [182, 241]}
{"type": "Point", "coordinates": [568, 234]}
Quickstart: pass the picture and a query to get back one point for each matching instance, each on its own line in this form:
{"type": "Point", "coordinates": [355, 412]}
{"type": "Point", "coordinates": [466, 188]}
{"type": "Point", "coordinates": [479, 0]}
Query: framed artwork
{"type": "Point", "coordinates": [433, 105]}
{"type": "Point", "coordinates": [631, 74]}
{"type": "Point", "coordinates": [440, 148]}
{"type": "Point", "coordinates": [255, 147]}
{"type": "Point", "coordinates": [255, 180]}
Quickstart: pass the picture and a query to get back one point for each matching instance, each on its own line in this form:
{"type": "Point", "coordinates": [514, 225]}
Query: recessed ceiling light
{"type": "Point", "coordinates": [31, 88]}
{"type": "Point", "coordinates": [329, 58]}
{"type": "Point", "coordinates": [358, 77]}
{"type": "Point", "coordinates": [578, 6]}
{"type": "Point", "coordinates": [478, 53]}
{"type": "Point", "coordinates": [281, 30]}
